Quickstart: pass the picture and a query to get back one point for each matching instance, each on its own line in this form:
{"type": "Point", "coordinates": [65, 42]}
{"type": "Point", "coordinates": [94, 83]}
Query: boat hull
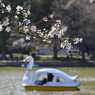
{"type": "Point", "coordinates": [50, 88]}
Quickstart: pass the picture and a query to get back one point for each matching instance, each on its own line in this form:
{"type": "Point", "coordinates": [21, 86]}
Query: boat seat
{"type": "Point", "coordinates": [37, 82]}
{"type": "Point", "coordinates": [50, 83]}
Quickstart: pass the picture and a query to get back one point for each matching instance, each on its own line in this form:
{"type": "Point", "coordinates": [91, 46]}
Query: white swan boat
{"type": "Point", "coordinates": [61, 81]}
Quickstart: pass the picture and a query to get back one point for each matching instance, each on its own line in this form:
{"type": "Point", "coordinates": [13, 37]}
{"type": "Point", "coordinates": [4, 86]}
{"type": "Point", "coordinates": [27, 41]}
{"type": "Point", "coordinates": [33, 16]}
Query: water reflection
{"type": "Point", "coordinates": [11, 82]}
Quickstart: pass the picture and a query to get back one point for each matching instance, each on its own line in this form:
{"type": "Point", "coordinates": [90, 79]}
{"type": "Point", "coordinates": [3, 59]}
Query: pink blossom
{"type": "Point", "coordinates": [33, 28]}
{"type": "Point", "coordinates": [66, 41]}
{"type": "Point", "coordinates": [51, 16]}
{"type": "Point", "coordinates": [62, 44]}
{"type": "Point", "coordinates": [77, 40]}
{"type": "Point", "coordinates": [58, 21]}
{"type": "Point", "coordinates": [27, 37]}
{"type": "Point", "coordinates": [39, 31]}
{"type": "Point", "coordinates": [45, 19]}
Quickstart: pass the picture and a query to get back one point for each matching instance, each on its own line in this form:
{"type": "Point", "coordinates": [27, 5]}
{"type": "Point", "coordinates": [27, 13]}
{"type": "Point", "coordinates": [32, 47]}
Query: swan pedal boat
{"type": "Point", "coordinates": [65, 83]}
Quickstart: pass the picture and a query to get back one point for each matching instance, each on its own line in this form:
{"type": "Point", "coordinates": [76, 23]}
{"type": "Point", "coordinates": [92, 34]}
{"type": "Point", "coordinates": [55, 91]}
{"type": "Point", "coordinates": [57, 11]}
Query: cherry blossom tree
{"type": "Point", "coordinates": [20, 17]}
{"type": "Point", "coordinates": [8, 20]}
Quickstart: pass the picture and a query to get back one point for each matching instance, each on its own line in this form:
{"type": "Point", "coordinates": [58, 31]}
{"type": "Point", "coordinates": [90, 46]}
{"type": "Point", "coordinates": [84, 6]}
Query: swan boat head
{"type": "Point", "coordinates": [26, 78]}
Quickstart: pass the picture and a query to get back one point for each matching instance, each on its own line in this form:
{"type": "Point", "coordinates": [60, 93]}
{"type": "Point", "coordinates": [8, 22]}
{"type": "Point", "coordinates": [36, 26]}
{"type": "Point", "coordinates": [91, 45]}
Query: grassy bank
{"type": "Point", "coordinates": [47, 60]}
{"type": "Point", "coordinates": [19, 55]}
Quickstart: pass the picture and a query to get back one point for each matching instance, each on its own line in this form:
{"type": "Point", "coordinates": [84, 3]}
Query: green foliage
{"type": "Point", "coordinates": [92, 56]}
{"type": "Point", "coordinates": [15, 2]}
{"type": "Point", "coordinates": [39, 9]}
{"type": "Point", "coordinates": [18, 55]}
{"type": "Point", "coordinates": [33, 54]}
{"type": "Point", "coordinates": [4, 36]}
{"type": "Point", "coordinates": [30, 47]}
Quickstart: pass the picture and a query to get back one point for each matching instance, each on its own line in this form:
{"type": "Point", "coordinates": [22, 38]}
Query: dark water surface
{"type": "Point", "coordinates": [11, 82]}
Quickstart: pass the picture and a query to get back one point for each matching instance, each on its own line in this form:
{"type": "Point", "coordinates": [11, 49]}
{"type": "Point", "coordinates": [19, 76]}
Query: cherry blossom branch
{"type": "Point", "coordinates": [20, 16]}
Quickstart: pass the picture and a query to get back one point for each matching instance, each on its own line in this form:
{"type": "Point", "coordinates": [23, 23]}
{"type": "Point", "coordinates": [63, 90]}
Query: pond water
{"type": "Point", "coordinates": [11, 82]}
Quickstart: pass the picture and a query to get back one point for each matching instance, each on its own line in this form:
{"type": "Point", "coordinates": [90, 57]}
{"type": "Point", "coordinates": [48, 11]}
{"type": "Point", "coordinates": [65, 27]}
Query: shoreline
{"type": "Point", "coordinates": [50, 63]}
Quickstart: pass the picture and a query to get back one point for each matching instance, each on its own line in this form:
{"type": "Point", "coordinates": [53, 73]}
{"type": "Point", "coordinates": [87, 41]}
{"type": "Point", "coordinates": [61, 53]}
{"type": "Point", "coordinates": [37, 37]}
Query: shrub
{"type": "Point", "coordinates": [33, 54]}
{"type": "Point", "coordinates": [91, 56]}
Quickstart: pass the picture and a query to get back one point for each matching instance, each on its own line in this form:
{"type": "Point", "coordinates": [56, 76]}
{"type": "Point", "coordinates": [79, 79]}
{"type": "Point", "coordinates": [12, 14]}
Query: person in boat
{"type": "Point", "coordinates": [57, 79]}
{"type": "Point", "coordinates": [49, 78]}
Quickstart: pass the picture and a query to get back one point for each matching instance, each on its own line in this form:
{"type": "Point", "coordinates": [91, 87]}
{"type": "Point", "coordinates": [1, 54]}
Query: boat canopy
{"type": "Point", "coordinates": [56, 72]}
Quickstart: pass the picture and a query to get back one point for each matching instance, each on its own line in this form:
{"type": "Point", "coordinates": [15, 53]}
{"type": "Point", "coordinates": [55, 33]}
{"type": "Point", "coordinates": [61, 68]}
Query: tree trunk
{"type": "Point", "coordinates": [3, 52]}
{"type": "Point", "coordinates": [55, 54]}
{"type": "Point", "coordinates": [55, 51]}
{"type": "Point", "coordinates": [22, 53]}
{"type": "Point", "coordinates": [83, 56]}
